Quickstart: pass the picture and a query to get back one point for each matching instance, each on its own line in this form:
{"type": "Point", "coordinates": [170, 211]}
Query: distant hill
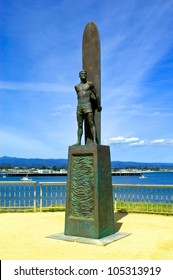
{"type": "Point", "coordinates": [32, 162]}
{"type": "Point", "coordinates": [131, 164]}
{"type": "Point", "coordinates": [37, 162]}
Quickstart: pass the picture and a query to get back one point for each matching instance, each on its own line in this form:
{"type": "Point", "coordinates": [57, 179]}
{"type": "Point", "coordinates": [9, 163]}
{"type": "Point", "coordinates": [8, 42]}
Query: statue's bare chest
{"type": "Point", "coordinates": [83, 87]}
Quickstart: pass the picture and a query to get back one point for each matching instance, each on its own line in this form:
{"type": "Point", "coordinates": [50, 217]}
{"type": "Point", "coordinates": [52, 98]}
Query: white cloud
{"type": "Point", "coordinates": [122, 140]}
{"type": "Point", "coordinates": [136, 142]}
{"type": "Point", "coordinates": [158, 141]}
{"type": "Point", "coordinates": [139, 143]}
{"type": "Point", "coordinates": [162, 142]}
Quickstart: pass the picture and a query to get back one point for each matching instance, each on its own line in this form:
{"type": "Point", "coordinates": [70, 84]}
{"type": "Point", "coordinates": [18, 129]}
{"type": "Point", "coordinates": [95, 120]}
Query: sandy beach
{"type": "Point", "coordinates": [24, 236]}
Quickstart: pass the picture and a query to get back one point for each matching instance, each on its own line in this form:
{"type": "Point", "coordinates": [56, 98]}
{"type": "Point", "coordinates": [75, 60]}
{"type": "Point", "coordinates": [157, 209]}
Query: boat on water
{"type": "Point", "coordinates": [26, 178]}
{"type": "Point", "coordinates": [142, 177]}
{"type": "Point", "coordinates": [4, 176]}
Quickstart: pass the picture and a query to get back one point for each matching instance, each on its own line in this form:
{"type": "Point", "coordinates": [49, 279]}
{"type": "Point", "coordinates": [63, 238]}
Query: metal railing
{"type": "Point", "coordinates": [144, 198]}
{"type": "Point", "coordinates": [17, 195]}
{"type": "Point", "coordinates": [52, 195]}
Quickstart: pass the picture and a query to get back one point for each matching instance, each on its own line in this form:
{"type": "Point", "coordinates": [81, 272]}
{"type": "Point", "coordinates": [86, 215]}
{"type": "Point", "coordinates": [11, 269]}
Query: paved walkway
{"type": "Point", "coordinates": [23, 237]}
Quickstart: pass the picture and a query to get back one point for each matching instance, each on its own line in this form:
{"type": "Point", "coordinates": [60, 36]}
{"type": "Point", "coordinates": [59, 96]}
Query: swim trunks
{"type": "Point", "coordinates": [84, 108]}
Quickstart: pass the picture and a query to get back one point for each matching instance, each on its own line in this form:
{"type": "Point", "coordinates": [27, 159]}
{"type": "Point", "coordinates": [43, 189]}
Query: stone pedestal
{"type": "Point", "coordinates": [89, 201]}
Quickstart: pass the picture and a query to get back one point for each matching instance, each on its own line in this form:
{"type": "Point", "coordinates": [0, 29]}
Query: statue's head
{"type": "Point", "coordinates": [83, 74]}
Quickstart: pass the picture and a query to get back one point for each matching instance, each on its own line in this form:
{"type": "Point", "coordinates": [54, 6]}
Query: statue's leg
{"type": "Point", "coordinates": [92, 127]}
{"type": "Point", "coordinates": [80, 128]}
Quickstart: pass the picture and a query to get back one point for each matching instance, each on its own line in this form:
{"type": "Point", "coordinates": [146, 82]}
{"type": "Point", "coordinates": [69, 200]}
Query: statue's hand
{"type": "Point", "coordinates": [99, 108]}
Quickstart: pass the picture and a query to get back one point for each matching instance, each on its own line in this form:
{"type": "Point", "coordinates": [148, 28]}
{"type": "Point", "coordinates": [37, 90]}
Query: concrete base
{"type": "Point", "coordinates": [100, 242]}
{"type": "Point", "coordinates": [89, 201]}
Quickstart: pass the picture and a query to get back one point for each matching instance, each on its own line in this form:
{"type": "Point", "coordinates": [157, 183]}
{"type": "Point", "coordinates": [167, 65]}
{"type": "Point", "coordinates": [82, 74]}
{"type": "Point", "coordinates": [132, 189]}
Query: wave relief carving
{"type": "Point", "coordinates": [82, 187]}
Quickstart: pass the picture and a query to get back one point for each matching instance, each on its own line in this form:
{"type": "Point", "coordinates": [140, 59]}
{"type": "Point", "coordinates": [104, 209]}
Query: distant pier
{"type": "Point", "coordinates": [20, 174]}
{"type": "Point", "coordinates": [126, 173]}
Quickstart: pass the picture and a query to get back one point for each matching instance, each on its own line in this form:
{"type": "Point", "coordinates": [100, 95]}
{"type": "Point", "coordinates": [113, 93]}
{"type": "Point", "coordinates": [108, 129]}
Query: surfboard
{"type": "Point", "coordinates": [91, 63]}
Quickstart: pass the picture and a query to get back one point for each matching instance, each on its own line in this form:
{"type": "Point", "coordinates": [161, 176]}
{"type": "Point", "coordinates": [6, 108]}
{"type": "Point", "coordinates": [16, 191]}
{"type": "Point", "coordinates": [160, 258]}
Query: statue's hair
{"type": "Point", "coordinates": [83, 70]}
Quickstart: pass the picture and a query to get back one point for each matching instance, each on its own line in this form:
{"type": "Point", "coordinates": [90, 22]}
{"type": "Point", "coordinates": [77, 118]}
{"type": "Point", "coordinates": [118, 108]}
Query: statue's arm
{"type": "Point", "coordinates": [75, 87]}
{"type": "Point", "coordinates": [93, 89]}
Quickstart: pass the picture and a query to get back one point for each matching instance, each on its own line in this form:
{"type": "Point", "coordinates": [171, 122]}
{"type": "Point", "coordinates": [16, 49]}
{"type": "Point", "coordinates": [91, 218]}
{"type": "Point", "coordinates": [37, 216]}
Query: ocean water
{"type": "Point", "coordinates": [24, 196]}
{"type": "Point", "coordinates": [151, 178]}
{"type": "Point", "coordinates": [50, 197]}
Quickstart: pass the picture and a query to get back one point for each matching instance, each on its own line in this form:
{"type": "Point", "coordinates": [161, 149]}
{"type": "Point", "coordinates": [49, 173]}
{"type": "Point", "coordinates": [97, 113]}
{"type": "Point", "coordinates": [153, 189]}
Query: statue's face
{"type": "Point", "coordinates": [83, 74]}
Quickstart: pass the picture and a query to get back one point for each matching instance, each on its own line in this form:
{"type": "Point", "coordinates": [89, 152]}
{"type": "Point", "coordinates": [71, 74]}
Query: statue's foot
{"type": "Point", "coordinates": [92, 143]}
{"type": "Point", "coordinates": [77, 144]}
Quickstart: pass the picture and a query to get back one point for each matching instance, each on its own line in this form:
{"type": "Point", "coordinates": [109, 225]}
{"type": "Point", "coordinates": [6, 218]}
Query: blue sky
{"type": "Point", "coordinates": [41, 56]}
